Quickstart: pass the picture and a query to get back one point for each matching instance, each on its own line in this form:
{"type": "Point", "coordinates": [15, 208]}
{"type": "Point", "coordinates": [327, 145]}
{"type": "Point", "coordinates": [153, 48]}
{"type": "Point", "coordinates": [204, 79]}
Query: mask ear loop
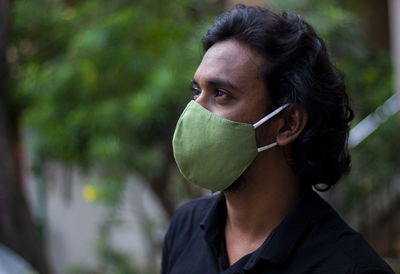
{"type": "Point", "coordinates": [266, 147]}
{"type": "Point", "coordinates": [263, 120]}
{"type": "Point", "coordinates": [269, 116]}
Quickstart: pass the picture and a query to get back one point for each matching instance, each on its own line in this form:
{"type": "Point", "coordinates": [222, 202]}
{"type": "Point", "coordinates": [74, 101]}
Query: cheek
{"type": "Point", "coordinates": [255, 103]}
{"type": "Point", "coordinates": [244, 112]}
{"type": "Point", "coordinates": [265, 134]}
{"type": "Point", "coordinates": [248, 107]}
{"type": "Point", "coordinates": [253, 109]}
{"type": "Point", "coordinates": [232, 114]}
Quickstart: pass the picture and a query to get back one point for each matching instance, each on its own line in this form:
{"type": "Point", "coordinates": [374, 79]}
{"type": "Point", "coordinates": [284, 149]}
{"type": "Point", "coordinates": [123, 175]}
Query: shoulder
{"type": "Point", "coordinates": [184, 228]}
{"type": "Point", "coordinates": [361, 257]}
{"type": "Point", "coordinates": [197, 207]}
{"type": "Point", "coordinates": [193, 212]}
{"type": "Point", "coordinates": [345, 245]}
{"type": "Point", "coordinates": [188, 218]}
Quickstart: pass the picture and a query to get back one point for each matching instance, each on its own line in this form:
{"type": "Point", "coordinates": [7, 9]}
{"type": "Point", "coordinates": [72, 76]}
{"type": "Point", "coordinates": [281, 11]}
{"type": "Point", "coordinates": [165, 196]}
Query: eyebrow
{"type": "Point", "coordinates": [217, 82]}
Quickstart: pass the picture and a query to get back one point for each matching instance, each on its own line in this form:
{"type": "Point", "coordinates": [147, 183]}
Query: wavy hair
{"type": "Point", "coordinates": [297, 69]}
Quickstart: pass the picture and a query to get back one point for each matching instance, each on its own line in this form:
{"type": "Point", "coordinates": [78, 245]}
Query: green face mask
{"type": "Point", "coordinates": [212, 151]}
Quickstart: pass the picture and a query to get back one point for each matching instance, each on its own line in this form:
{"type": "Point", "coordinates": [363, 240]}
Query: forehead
{"type": "Point", "coordinates": [230, 60]}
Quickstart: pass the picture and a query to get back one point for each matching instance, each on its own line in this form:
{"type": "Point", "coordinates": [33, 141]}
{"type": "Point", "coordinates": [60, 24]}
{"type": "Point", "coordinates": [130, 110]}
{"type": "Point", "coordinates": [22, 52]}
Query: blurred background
{"type": "Point", "coordinates": [90, 92]}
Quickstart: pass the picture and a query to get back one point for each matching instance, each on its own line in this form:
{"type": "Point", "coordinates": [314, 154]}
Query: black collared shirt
{"type": "Point", "coordinates": [311, 239]}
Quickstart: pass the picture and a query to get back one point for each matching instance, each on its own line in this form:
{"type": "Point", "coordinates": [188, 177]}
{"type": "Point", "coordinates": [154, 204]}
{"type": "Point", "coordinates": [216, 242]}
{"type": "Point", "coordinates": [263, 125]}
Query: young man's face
{"type": "Point", "coordinates": [227, 82]}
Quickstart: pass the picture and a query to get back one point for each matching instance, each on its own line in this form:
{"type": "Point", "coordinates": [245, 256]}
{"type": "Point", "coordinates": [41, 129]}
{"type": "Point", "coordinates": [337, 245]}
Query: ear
{"type": "Point", "coordinates": [292, 124]}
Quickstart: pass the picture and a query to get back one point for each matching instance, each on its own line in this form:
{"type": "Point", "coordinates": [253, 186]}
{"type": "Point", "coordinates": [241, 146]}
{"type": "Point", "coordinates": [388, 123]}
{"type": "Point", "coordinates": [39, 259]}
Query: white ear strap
{"type": "Point", "coordinates": [266, 147]}
{"type": "Point", "coordinates": [269, 116]}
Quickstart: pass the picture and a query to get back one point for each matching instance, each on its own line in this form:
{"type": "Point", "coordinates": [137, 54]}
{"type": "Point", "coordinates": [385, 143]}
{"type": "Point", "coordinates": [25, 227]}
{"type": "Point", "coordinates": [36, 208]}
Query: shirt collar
{"type": "Point", "coordinates": [285, 236]}
{"type": "Point", "coordinates": [278, 246]}
{"type": "Point", "coordinates": [213, 222]}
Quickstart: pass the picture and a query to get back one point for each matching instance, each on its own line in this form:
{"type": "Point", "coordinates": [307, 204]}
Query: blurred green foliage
{"type": "Point", "coordinates": [104, 80]}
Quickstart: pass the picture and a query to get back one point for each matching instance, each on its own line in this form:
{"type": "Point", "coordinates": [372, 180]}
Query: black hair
{"type": "Point", "coordinates": [297, 70]}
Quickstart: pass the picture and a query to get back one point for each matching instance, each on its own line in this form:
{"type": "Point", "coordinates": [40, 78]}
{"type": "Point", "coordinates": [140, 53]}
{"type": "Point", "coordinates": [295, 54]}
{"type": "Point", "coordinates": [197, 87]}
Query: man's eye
{"type": "Point", "coordinates": [220, 93]}
{"type": "Point", "coordinates": [196, 91]}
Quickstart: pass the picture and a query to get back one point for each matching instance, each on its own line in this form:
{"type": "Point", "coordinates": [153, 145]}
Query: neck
{"type": "Point", "coordinates": [266, 194]}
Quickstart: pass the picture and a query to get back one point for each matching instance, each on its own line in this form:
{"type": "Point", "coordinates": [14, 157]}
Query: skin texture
{"type": "Point", "coordinates": [227, 83]}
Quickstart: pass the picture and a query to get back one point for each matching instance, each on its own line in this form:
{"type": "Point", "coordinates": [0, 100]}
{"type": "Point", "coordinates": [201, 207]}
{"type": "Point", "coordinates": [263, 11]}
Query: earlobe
{"type": "Point", "coordinates": [292, 125]}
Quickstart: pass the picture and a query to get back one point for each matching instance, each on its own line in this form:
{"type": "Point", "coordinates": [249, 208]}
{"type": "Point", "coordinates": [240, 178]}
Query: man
{"type": "Point", "coordinates": [269, 120]}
